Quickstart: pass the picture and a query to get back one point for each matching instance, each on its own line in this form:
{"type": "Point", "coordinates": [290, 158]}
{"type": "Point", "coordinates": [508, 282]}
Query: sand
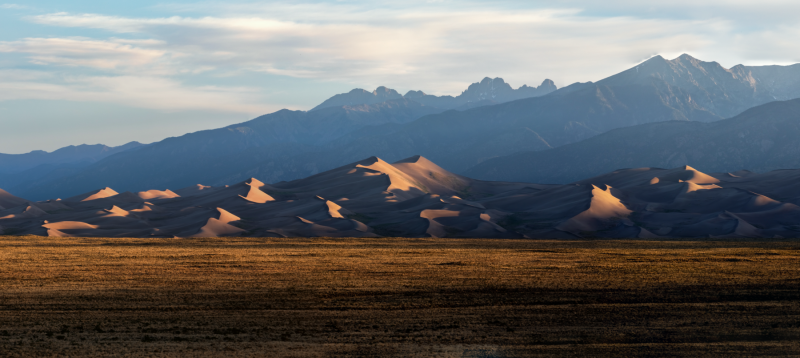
{"type": "Point", "coordinates": [416, 198]}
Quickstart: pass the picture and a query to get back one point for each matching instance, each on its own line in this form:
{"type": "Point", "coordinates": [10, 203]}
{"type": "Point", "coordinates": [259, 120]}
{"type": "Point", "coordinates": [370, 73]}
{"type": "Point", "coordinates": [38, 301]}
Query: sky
{"type": "Point", "coordinates": [89, 72]}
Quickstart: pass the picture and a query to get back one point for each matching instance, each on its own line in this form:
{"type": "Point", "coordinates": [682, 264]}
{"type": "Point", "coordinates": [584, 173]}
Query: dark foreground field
{"type": "Point", "coordinates": [396, 297]}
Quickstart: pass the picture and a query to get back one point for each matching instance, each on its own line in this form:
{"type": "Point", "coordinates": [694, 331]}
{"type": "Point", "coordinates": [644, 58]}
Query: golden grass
{"type": "Point", "coordinates": [396, 297]}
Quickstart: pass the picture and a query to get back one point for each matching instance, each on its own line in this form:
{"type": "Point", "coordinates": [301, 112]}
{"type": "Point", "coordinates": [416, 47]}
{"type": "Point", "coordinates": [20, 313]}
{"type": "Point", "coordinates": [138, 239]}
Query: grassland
{"type": "Point", "coordinates": [396, 297]}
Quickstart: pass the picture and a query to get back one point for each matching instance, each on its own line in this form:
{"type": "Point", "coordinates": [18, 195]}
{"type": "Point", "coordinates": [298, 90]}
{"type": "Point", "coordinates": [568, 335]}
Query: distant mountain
{"type": "Point", "coordinates": [488, 91]}
{"type": "Point", "coordinates": [683, 89]}
{"type": "Point", "coordinates": [461, 139]}
{"type": "Point", "coordinates": [724, 92]}
{"type": "Point", "coordinates": [76, 155]}
{"type": "Point", "coordinates": [761, 139]}
{"type": "Point", "coordinates": [359, 96]}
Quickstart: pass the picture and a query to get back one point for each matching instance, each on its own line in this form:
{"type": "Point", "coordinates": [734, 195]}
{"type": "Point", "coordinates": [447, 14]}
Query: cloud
{"type": "Point", "coordinates": [137, 91]}
{"type": "Point", "coordinates": [439, 47]}
{"type": "Point", "coordinates": [83, 52]}
{"type": "Point", "coordinates": [441, 50]}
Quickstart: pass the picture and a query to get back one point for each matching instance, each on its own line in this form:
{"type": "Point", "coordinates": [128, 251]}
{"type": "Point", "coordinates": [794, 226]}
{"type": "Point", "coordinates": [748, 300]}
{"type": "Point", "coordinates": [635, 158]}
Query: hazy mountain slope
{"type": "Point", "coordinates": [724, 92]}
{"type": "Point", "coordinates": [324, 125]}
{"type": "Point", "coordinates": [459, 140]}
{"type": "Point", "coordinates": [78, 155]}
{"type": "Point", "coordinates": [41, 175]}
{"type": "Point", "coordinates": [488, 91]}
{"type": "Point", "coordinates": [761, 139]}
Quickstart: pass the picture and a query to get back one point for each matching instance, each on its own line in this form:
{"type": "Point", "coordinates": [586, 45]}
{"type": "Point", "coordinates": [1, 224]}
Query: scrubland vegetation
{"type": "Point", "coordinates": [396, 297]}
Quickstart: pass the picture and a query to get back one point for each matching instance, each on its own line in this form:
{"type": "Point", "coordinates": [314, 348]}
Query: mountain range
{"type": "Point", "coordinates": [488, 91]}
{"type": "Point", "coordinates": [490, 121]}
{"type": "Point", "coordinates": [416, 198]}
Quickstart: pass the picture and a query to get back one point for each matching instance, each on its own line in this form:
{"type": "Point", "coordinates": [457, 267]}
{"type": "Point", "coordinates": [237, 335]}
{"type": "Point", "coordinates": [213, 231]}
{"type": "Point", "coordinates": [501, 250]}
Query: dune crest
{"type": "Point", "coordinates": [216, 228]}
{"type": "Point", "coordinates": [69, 225]}
{"type": "Point", "coordinates": [116, 211]}
{"type": "Point", "coordinates": [157, 194]}
{"type": "Point", "coordinates": [689, 174]}
{"type": "Point", "coordinates": [692, 187]}
{"type": "Point", "coordinates": [226, 217]}
{"type": "Point", "coordinates": [436, 229]}
{"type": "Point", "coordinates": [432, 177]}
{"type": "Point", "coordinates": [336, 211]}
{"type": "Point", "coordinates": [743, 228]}
{"type": "Point", "coordinates": [255, 195]}
{"type": "Point", "coordinates": [400, 184]}
{"type": "Point", "coordinates": [94, 195]}
{"type": "Point", "coordinates": [603, 210]}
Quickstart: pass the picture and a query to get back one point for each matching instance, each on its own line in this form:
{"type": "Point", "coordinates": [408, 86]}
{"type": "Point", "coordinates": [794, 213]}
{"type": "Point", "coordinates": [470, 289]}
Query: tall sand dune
{"type": "Point", "coordinates": [8, 201]}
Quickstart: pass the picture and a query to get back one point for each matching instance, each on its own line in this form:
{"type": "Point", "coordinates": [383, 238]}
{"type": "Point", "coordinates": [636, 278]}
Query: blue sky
{"type": "Point", "coordinates": [111, 72]}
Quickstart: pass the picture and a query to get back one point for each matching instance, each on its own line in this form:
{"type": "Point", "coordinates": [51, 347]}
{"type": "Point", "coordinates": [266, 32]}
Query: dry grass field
{"type": "Point", "coordinates": [237, 297]}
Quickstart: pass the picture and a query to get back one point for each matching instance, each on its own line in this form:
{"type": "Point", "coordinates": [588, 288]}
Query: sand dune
{"type": "Point", "coordinates": [416, 198]}
{"type": "Point", "coordinates": [8, 201]}
{"type": "Point", "coordinates": [216, 227]}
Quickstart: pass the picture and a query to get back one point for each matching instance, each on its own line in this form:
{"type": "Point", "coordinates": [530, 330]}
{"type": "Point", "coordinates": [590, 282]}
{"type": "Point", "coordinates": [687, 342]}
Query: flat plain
{"type": "Point", "coordinates": [323, 297]}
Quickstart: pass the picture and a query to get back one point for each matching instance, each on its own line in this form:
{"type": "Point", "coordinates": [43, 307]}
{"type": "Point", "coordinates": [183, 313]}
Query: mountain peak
{"type": "Point", "coordinates": [487, 91]}
{"type": "Point", "coordinates": [656, 58]}
{"type": "Point", "coordinates": [414, 94]}
{"type": "Point", "coordinates": [360, 96]}
{"type": "Point", "coordinates": [383, 91]}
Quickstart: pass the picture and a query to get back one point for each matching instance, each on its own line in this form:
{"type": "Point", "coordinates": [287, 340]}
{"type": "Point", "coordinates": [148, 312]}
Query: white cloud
{"type": "Point", "coordinates": [137, 91]}
{"type": "Point", "coordinates": [83, 52]}
{"type": "Point", "coordinates": [436, 51]}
